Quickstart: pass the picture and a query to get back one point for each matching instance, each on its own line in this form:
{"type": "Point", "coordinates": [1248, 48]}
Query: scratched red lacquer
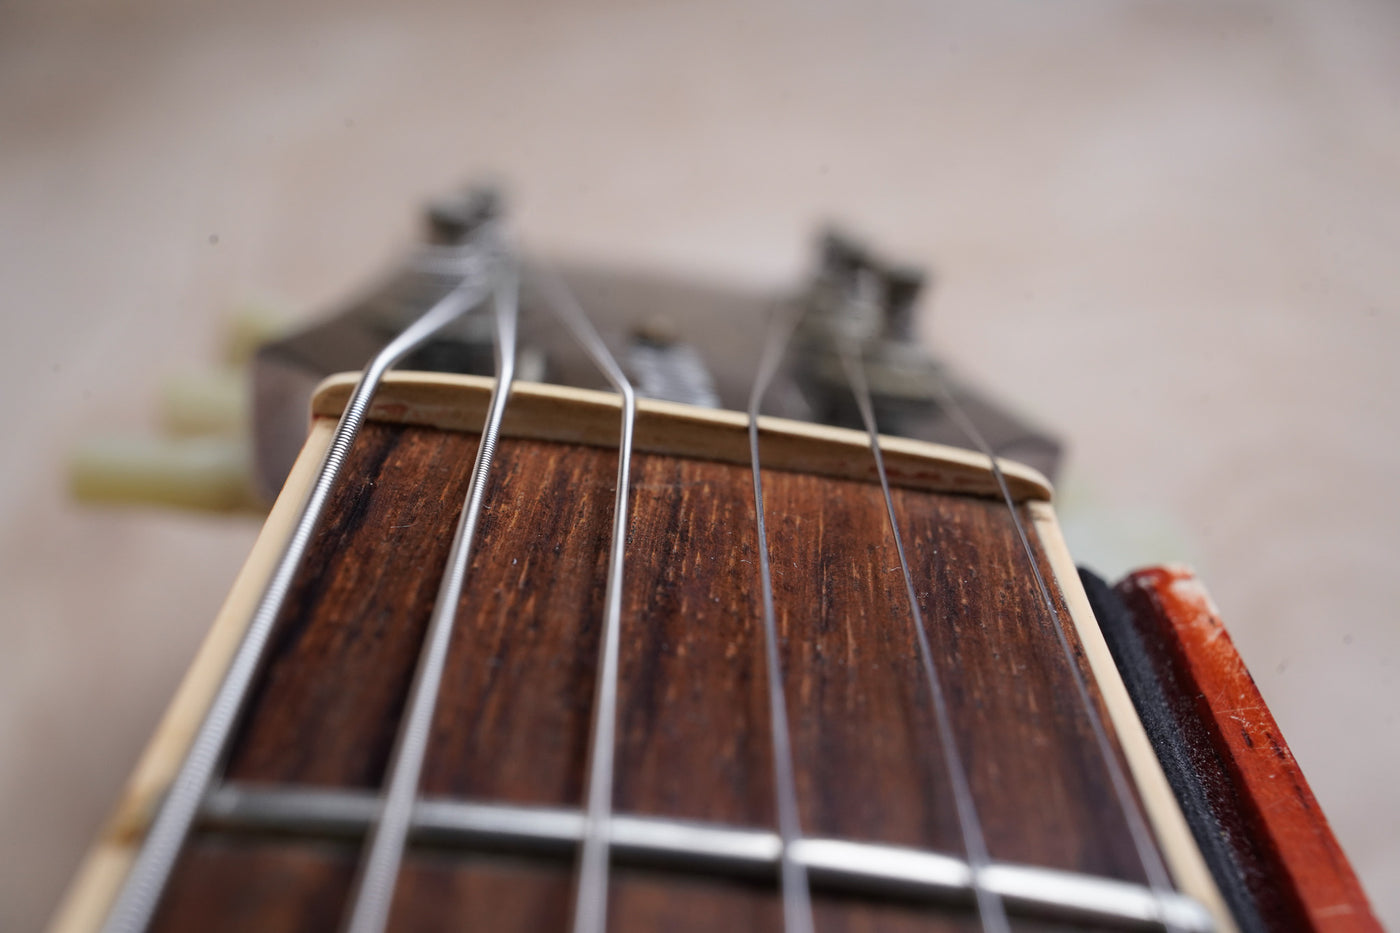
{"type": "Point", "coordinates": [1274, 795]}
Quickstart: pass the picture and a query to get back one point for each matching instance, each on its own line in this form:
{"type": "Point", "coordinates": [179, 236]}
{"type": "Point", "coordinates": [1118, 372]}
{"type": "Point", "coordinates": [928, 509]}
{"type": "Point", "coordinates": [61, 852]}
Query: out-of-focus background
{"type": "Point", "coordinates": [1169, 230]}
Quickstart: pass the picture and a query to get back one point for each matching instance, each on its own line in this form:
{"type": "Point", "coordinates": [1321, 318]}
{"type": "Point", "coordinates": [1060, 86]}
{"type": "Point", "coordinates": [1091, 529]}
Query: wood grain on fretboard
{"type": "Point", "coordinates": [694, 737]}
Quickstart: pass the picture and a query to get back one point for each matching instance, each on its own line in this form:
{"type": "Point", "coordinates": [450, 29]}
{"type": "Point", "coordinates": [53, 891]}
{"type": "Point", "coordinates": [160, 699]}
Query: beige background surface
{"type": "Point", "coordinates": [1168, 229]}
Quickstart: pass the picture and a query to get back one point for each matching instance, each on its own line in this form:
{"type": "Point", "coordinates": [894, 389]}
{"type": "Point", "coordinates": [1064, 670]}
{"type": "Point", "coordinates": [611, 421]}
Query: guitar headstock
{"type": "Point", "coordinates": [679, 340]}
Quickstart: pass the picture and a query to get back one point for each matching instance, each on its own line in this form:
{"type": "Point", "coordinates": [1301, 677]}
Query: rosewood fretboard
{"type": "Point", "coordinates": [694, 739]}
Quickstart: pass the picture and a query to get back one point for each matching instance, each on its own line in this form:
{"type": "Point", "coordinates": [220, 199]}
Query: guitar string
{"type": "Point", "coordinates": [990, 908]}
{"type": "Point", "coordinates": [136, 903]}
{"type": "Point", "coordinates": [797, 900]}
{"type": "Point", "coordinates": [378, 873]}
{"type": "Point", "coordinates": [1158, 878]}
{"type": "Point", "coordinates": [591, 900]}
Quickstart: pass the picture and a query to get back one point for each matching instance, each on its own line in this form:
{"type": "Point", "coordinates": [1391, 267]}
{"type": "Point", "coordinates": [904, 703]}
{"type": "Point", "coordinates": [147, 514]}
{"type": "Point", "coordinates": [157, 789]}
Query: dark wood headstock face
{"type": "Point", "coordinates": [677, 339]}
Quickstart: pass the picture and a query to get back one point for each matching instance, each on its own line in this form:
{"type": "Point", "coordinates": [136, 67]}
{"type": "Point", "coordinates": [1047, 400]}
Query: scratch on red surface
{"type": "Point", "coordinates": [1285, 815]}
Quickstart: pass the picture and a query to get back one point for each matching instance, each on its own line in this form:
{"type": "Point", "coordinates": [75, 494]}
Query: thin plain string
{"type": "Point", "coordinates": [989, 905]}
{"type": "Point", "coordinates": [378, 874]}
{"type": "Point", "coordinates": [1157, 876]}
{"type": "Point", "coordinates": [591, 901]}
{"type": "Point", "coordinates": [797, 899]}
{"type": "Point", "coordinates": [141, 893]}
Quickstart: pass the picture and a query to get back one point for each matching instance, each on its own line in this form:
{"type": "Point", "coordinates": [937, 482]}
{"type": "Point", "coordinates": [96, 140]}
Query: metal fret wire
{"type": "Point", "coordinates": [591, 900]}
{"type": "Point", "coordinates": [145, 883]}
{"type": "Point", "coordinates": [378, 873]}
{"type": "Point", "coordinates": [714, 850]}
{"type": "Point", "coordinates": [1157, 876]}
{"type": "Point", "coordinates": [989, 905]}
{"type": "Point", "coordinates": [797, 900]}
